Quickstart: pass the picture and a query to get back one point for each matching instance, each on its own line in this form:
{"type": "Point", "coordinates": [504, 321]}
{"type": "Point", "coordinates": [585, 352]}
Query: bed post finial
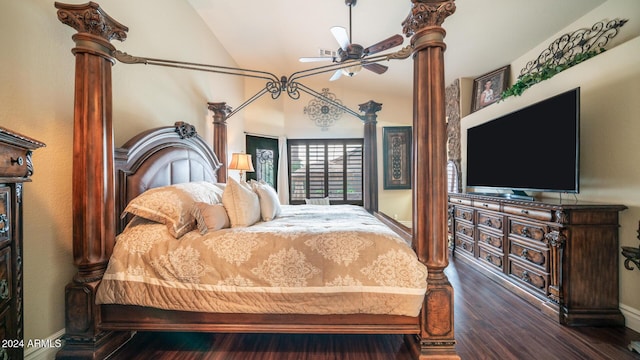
{"type": "Point", "coordinates": [221, 113]}
{"type": "Point", "coordinates": [93, 202]}
{"type": "Point", "coordinates": [370, 119]}
{"type": "Point", "coordinates": [436, 338]}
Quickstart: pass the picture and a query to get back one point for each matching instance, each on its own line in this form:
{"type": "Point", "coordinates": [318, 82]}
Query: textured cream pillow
{"type": "Point", "coordinates": [171, 205]}
{"type": "Point", "coordinates": [241, 203]}
{"type": "Point", "coordinates": [269, 203]}
{"type": "Point", "coordinates": [210, 217]}
{"type": "Point", "coordinates": [321, 201]}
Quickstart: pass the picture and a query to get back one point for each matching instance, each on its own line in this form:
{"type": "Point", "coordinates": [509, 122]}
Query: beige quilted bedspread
{"type": "Point", "coordinates": [310, 260]}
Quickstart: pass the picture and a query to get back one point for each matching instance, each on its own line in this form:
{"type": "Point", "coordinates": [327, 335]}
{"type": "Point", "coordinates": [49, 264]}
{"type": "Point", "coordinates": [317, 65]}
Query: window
{"type": "Point", "coordinates": [320, 168]}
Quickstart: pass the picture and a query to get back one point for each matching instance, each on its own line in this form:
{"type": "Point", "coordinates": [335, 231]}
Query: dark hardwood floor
{"type": "Point", "coordinates": [484, 330]}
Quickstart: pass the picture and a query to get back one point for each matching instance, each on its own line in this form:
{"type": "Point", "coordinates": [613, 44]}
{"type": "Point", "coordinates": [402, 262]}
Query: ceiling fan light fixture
{"type": "Point", "coordinates": [352, 70]}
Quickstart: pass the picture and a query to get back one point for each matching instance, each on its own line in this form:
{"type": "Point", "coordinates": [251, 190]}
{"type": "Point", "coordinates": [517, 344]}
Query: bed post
{"type": "Point", "coordinates": [93, 178]}
{"type": "Point", "coordinates": [221, 112]}
{"type": "Point", "coordinates": [370, 110]}
{"type": "Point", "coordinates": [436, 339]}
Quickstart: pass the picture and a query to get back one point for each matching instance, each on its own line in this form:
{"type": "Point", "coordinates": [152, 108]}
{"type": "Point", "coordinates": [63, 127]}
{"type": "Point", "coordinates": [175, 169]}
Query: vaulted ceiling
{"type": "Point", "coordinates": [482, 35]}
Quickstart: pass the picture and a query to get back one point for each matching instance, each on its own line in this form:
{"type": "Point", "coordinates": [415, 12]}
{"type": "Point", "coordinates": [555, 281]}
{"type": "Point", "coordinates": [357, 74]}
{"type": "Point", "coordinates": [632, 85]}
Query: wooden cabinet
{"type": "Point", "coordinates": [560, 256]}
{"type": "Point", "coordinates": [15, 169]}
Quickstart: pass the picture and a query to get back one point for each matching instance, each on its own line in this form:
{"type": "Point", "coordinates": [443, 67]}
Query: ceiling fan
{"type": "Point", "coordinates": [349, 51]}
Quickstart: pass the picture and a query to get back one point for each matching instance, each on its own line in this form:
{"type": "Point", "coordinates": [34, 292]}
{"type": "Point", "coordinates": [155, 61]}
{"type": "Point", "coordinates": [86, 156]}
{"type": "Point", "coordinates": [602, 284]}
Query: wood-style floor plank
{"type": "Point", "coordinates": [490, 323]}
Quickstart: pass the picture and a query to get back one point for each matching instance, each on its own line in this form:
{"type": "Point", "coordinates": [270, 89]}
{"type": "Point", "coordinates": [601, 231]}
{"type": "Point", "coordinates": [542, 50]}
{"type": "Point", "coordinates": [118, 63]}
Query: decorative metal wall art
{"type": "Point", "coordinates": [397, 157]}
{"type": "Point", "coordinates": [580, 41]}
{"type": "Point", "coordinates": [322, 112]}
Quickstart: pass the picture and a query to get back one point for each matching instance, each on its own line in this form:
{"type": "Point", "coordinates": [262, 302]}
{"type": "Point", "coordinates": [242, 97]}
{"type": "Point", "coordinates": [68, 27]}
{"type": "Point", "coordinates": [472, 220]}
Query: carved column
{"type": "Point", "coordinates": [430, 181]}
{"type": "Point", "coordinates": [93, 176]}
{"type": "Point", "coordinates": [370, 154]}
{"type": "Point", "coordinates": [221, 112]}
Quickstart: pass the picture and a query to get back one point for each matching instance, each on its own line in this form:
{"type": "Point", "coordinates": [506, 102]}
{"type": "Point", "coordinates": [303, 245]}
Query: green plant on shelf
{"type": "Point", "coordinates": [546, 71]}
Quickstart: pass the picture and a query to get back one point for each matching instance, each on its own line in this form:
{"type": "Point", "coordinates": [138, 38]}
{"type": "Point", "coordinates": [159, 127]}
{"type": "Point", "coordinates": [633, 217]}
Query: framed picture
{"type": "Point", "coordinates": [488, 87]}
{"type": "Point", "coordinates": [396, 150]}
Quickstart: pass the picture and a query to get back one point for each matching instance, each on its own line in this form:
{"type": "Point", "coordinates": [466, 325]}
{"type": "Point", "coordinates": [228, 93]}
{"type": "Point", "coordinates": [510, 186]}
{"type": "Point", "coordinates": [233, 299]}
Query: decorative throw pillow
{"type": "Point", "coordinates": [171, 205]}
{"type": "Point", "coordinates": [322, 201]}
{"type": "Point", "coordinates": [210, 217]}
{"type": "Point", "coordinates": [241, 203]}
{"type": "Point", "coordinates": [269, 203]}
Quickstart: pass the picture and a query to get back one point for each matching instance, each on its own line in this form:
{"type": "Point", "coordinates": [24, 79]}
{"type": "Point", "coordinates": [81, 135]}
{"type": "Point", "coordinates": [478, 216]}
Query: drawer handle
{"type": "Point", "coordinates": [488, 258]}
{"type": "Point", "coordinates": [488, 222]}
{"type": "Point", "coordinates": [19, 161]}
{"type": "Point", "coordinates": [485, 205]}
{"type": "Point", "coordinates": [4, 224]}
{"type": "Point", "coordinates": [488, 239]}
{"type": "Point", "coordinates": [524, 253]}
{"type": "Point", "coordinates": [524, 211]}
{"type": "Point", "coordinates": [4, 289]}
{"type": "Point", "coordinates": [525, 232]}
{"type": "Point", "coordinates": [525, 277]}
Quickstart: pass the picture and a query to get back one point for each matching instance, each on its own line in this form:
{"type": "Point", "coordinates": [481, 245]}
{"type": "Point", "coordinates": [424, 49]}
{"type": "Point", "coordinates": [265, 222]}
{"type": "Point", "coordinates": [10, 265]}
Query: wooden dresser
{"type": "Point", "coordinates": [15, 169]}
{"type": "Point", "coordinates": [562, 257]}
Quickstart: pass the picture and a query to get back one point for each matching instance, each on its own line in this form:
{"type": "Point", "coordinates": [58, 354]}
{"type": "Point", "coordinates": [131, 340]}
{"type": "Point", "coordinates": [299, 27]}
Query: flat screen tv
{"type": "Point", "coordinates": [536, 148]}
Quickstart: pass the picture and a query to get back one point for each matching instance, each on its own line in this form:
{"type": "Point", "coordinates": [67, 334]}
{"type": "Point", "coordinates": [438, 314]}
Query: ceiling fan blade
{"type": "Point", "coordinates": [385, 44]}
{"type": "Point", "coordinates": [376, 68]}
{"type": "Point", "coordinates": [336, 75]}
{"type": "Point", "coordinates": [314, 59]}
{"type": "Point", "coordinates": [342, 37]}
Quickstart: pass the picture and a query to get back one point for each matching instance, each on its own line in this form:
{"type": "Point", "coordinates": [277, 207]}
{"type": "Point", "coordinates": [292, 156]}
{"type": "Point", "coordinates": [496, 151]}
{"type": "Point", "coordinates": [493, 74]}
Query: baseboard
{"type": "Point", "coordinates": [631, 317]}
{"type": "Point", "coordinates": [43, 349]}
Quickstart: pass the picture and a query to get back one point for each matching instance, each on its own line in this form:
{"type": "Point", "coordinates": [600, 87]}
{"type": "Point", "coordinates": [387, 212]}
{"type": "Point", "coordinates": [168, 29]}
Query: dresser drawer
{"type": "Point", "coordinates": [13, 161]}
{"type": "Point", "coordinates": [489, 238]}
{"type": "Point", "coordinates": [5, 277]}
{"type": "Point", "coordinates": [528, 230]}
{"type": "Point", "coordinates": [487, 205]}
{"type": "Point", "coordinates": [459, 201]}
{"type": "Point", "coordinates": [464, 245]}
{"type": "Point", "coordinates": [464, 229]}
{"type": "Point", "coordinates": [5, 215]}
{"type": "Point", "coordinates": [490, 220]}
{"type": "Point", "coordinates": [490, 257]}
{"type": "Point", "coordinates": [12, 349]}
{"type": "Point", "coordinates": [464, 213]}
{"type": "Point", "coordinates": [533, 255]}
{"type": "Point", "coordinates": [544, 215]}
{"type": "Point", "coordinates": [534, 279]}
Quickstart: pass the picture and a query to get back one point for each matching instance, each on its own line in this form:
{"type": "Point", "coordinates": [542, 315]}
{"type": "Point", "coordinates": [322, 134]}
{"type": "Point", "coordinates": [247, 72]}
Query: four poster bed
{"type": "Point", "coordinates": [107, 182]}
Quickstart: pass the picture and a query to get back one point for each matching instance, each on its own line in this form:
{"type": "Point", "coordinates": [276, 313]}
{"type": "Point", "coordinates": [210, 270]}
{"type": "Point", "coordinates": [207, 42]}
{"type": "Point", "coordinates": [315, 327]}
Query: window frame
{"type": "Point", "coordinates": [326, 142]}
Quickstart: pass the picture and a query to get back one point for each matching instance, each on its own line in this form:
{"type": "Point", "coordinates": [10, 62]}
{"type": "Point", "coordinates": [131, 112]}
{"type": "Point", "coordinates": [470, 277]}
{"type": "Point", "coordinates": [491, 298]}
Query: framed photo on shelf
{"type": "Point", "coordinates": [396, 149]}
{"type": "Point", "coordinates": [488, 87]}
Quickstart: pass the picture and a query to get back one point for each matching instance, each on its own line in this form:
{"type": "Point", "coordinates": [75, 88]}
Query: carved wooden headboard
{"type": "Point", "coordinates": [158, 157]}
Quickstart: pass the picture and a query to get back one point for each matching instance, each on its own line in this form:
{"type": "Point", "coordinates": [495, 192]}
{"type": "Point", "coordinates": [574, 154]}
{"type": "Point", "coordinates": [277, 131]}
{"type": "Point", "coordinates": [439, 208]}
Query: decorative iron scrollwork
{"type": "Point", "coordinates": [567, 46]}
{"type": "Point", "coordinates": [322, 112]}
{"type": "Point", "coordinates": [632, 254]}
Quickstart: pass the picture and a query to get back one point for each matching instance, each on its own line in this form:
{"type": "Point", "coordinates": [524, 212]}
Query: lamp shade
{"type": "Point", "coordinates": [241, 162]}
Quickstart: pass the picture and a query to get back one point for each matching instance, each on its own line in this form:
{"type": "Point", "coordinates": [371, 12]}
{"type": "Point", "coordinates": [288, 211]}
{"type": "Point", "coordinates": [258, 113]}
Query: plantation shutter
{"type": "Point", "coordinates": [320, 168]}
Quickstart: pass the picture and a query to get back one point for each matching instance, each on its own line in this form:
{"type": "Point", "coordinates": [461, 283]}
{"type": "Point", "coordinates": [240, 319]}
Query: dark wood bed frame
{"type": "Point", "coordinates": [104, 179]}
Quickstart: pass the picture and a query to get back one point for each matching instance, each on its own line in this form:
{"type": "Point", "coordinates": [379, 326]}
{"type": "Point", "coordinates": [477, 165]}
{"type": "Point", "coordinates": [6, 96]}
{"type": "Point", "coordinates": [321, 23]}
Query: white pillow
{"type": "Point", "coordinates": [322, 201]}
{"type": "Point", "coordinates": [269, 203]}
{"type": "Point", "coordinates": [241, 203]}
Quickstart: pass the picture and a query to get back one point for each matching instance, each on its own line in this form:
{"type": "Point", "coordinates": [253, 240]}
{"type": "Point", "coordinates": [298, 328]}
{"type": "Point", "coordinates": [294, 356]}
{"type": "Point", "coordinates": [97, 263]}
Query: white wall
{"type": "Point", "coordinates": [36, 97]}
{"type": "Point", "coordinates": [610, 94]}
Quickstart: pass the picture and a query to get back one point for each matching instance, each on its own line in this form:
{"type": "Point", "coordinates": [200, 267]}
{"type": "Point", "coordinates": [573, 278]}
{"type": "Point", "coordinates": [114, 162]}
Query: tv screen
{"type": "Point", "coordinates": [535, 148]}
